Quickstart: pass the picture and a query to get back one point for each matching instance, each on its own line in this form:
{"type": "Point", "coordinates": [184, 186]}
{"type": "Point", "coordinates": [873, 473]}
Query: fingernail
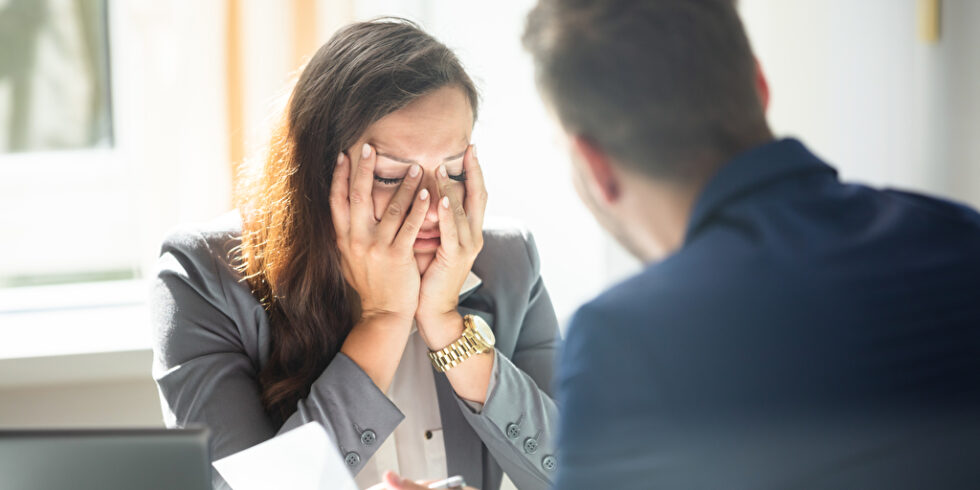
{"type": "Point", "coordinates": [442, 171]}
{"type": "Point", "coordinates": [414, 171]}
{"type": "Point", "coordinates": [445, 202]}
{"type": "Point", "coordinates": [474, 152]}
{"type": "Point", "coordinates": [340, 159]}
{"type": "Point", "coordinates": [424, 194]}
{"type": "Point", "coordinates": [366, 151]}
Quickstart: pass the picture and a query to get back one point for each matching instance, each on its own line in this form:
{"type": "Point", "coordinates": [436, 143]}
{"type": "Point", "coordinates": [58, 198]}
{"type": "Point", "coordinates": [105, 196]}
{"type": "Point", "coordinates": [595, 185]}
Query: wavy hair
{"type": "Point", "coordinates": [289, 255]}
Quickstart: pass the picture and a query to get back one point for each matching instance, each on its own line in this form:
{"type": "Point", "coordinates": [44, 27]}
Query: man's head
{"type": "Point", "coordinates": [657, 91]}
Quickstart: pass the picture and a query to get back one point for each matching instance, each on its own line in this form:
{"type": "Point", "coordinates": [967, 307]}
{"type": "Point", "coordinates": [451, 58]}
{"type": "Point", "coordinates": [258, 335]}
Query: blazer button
{"type": "Point", "coordinates": [530, 445]}
{"type": "Point", "coordinates": [352, 459]}
{"type": "Point", "coordinates": [513, 431]}
{"type": "Point", "coordinates": [549, 463]}
{"type": "Point", "coordinates": [368, 437]}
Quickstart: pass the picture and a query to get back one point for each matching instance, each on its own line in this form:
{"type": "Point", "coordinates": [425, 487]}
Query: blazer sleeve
{"type": "Point", "coordinates": [207, 375]}
{"type": "Point", "coordinates": [519, 419]}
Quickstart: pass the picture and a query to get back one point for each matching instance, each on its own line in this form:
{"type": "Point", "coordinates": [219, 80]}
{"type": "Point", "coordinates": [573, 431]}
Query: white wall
{"type": "Point", "coordinates": [853, 81]}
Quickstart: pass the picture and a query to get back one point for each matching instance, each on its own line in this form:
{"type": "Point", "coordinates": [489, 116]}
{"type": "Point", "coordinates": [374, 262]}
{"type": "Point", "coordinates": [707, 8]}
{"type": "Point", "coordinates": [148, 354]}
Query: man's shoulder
{"type": "Point", "coordinates": [661, 290]}
{"type": "Point", "coordinates": [935, 207]}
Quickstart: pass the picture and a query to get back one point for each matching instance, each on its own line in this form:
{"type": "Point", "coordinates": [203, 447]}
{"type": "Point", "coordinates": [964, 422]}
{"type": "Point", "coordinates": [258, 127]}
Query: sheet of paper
{"type": "Point", "coordinates": [301, 459]}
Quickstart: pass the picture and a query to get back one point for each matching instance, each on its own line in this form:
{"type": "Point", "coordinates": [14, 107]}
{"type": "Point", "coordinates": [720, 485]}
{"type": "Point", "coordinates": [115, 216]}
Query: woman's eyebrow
{"type": "Point", "coordinates": [408, 162]}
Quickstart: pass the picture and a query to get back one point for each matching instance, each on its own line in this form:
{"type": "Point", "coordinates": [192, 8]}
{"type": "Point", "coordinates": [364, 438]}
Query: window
{"type": "Point", "coordinates": [129, 139]}
{"type": "Point", "coordinates": [87, 204]}
{"type": "Point", "coordinates": [54, 76]}
{"type": "Point", "coordinates": [60, 179]}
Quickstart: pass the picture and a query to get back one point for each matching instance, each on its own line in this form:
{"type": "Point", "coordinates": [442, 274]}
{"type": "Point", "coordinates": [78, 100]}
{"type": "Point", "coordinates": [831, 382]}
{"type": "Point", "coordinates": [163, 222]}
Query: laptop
{"type": "Point", "coordinates": [90, 459]}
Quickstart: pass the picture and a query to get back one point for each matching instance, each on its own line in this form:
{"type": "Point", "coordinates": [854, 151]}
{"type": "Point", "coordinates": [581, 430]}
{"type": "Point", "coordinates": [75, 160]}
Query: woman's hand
{"type": "Point", "coordinates": [394, 482]}
{"type": "Point", "coordinates": [378, 262]}
{"type": "Point", "coordinates": [461, 232]}
{"type": "Point", "coordinates": [377, 256]}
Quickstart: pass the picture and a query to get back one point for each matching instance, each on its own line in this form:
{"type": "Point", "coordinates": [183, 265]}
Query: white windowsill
{"type": "Point", "coordinates": [74, 333]}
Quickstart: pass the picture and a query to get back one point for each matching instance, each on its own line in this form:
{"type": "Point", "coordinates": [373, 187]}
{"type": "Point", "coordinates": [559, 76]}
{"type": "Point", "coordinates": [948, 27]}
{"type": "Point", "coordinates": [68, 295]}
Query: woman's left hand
{"type": "Point", "coordinates": [394, 482]}
{"type": "Point", "coordinates": [461, 240]}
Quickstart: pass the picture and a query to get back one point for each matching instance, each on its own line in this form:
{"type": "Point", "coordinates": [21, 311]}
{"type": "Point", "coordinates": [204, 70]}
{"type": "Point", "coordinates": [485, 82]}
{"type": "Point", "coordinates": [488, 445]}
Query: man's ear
{"type": "Point", "coordinates": [599, 167]}
{"type": "Point", "coordinates": [762, 86]}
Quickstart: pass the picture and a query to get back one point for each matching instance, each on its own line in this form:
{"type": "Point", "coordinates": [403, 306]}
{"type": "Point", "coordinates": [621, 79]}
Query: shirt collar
{"type": "Point", "coordinates": [750, 170]}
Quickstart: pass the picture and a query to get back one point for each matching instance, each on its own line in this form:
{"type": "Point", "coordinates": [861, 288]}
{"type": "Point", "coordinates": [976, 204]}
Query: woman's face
{"type": "Point", "coordinates": [433, 130]}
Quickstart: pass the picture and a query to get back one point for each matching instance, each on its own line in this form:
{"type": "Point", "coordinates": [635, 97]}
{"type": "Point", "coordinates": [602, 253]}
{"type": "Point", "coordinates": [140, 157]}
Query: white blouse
{"type": "Point", "coordinates": [416, 448]}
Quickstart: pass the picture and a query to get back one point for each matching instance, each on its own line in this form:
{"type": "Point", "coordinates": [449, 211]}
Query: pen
{"type": "Point", "coordinates": [451, 482]}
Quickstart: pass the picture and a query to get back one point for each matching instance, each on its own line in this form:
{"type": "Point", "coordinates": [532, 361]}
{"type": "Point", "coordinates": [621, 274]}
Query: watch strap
{"type": "Point", "coordinates": [457, 352]}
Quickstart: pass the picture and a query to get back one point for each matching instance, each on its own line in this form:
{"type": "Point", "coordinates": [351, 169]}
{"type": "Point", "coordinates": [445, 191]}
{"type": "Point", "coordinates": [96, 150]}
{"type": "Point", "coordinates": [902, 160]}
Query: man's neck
{"type": "Point", "coordinates": [659, 213]}
{"type": "Point", "coordinates": [659, 210]}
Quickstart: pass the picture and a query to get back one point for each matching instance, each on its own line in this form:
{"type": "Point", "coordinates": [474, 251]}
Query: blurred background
{"type": "Point", "coordinates": [120, 119]}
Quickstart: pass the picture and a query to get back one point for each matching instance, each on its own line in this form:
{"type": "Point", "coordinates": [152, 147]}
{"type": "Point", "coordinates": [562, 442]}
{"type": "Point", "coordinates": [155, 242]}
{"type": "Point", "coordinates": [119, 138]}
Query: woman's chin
{"type": "Point", "coordinates": [423, 260]}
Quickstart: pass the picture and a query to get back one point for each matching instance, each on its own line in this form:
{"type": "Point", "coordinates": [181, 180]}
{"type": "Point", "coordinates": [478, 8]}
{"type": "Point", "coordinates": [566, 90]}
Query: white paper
{"type": "Point", "coordinates": [301, 459]}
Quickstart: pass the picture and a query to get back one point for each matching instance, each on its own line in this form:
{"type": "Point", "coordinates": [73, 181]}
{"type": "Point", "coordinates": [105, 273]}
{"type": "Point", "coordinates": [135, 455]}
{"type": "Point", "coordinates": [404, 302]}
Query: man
{"type": "Point", "coordinates": [789, 330]}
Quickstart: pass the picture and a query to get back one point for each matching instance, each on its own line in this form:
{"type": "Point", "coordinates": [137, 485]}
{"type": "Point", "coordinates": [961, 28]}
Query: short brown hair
{"type": "Point", "coordinates": [657, 84]}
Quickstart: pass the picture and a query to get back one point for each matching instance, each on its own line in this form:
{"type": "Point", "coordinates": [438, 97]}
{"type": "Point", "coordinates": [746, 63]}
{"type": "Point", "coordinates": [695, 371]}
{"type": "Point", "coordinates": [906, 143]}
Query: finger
{"type": "Point", "coordinates": [452, 203]}
{"type": "Point", "coordinates": [476, 190]}
{"type": "Point", "coordinates": [361, 205]}
{"type": "Point", "coordinates": [413, 222]}
{"type": "Point", "coordinates": [449, 234]}
{"type": "Point", "coordinates": [339, 203]}
{"type": "Point", "coordinates": [389, 481]}
{"type": "Point", "coordinates": [392, 480]}
{"type": "Point", "coordinates": [398, 206]}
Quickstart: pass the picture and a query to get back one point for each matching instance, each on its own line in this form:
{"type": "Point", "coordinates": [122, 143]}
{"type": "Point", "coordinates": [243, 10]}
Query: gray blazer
{"type": "Point", "coordinates": [211, 339]}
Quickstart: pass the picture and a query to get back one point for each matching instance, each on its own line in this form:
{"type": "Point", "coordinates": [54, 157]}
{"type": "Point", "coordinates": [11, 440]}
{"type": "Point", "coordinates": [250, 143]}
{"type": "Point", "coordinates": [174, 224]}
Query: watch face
{"type": "Point", "coordinates": [483, 330]}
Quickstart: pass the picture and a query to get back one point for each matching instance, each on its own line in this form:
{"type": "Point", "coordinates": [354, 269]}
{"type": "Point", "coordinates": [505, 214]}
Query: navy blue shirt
{"type": "Point", "coordinates": [808, 334]}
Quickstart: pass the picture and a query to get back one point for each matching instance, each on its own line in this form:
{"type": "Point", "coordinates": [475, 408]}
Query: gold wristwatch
{"type": "Point", "coordinates": [477, 339]}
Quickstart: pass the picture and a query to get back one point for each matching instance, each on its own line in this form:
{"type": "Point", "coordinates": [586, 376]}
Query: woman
{"type": "Point", "coordinates": [354, 272]}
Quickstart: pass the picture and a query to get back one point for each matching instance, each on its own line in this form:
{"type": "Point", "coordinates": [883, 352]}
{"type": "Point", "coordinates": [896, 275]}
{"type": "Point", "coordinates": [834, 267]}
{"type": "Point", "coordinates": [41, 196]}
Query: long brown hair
{"type": "Point", "coordinates": [289, 255]}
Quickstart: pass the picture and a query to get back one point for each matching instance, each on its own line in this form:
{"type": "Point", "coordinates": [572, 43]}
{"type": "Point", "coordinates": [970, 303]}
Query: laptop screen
{"type": "Point", "coordinates": [84, 459]}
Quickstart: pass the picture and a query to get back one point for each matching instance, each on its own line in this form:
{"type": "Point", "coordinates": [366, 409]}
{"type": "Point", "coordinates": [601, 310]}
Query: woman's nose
{"type": "Point", "coordinates": [429, 182]}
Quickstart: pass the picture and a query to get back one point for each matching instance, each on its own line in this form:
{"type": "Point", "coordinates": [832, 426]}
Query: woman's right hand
{"type": "Point", "coordinates": [378, 260]}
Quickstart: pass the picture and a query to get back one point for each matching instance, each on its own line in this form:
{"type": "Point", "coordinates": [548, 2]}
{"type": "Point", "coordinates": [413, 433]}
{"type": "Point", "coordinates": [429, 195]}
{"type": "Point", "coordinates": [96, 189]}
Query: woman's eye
{"type": "Point", "coordinates": [387, 181]}
{"type": "Point", "coordinates": [460, 177]}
